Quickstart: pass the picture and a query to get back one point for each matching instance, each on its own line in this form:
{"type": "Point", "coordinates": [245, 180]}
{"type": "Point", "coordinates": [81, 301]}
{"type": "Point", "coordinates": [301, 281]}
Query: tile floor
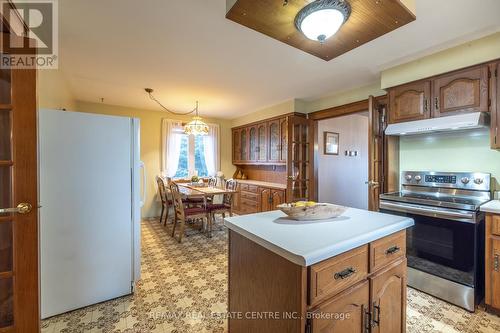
{"type": "Point", "coordinates": [183, 285]}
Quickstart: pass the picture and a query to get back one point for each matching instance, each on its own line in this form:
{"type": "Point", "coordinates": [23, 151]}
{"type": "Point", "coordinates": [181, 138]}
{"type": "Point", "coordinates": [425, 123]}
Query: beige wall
{"type": "Point", "coordinates": [472, 53]}
{"type": "Point", "coordinates": [151, 143]}
{"type": "Point", "coordinates": [53, 90]}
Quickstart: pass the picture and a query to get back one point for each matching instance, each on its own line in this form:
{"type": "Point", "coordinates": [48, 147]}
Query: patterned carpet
{"type": "Point", "coordinates": [184, 288]}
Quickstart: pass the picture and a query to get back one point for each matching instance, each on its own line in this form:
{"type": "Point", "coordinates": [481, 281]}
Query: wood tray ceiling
{"type": "Point", "coordinates": [369, 20]}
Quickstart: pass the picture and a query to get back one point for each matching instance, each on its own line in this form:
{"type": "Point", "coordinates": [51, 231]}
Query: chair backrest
{"type": "Point", "coordinates": [212, 181]}
{"type": "Point", "coordinates": [161, 189]}
{"type": "Point", "coordinates": [231, 184]}
{"type": "Point", "coordinates": [177, 200]}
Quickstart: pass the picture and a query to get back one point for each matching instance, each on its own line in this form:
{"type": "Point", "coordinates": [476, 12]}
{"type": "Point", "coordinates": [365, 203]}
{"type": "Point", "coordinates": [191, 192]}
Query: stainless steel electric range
{"type": "Point", "coordinates": [445, 247]}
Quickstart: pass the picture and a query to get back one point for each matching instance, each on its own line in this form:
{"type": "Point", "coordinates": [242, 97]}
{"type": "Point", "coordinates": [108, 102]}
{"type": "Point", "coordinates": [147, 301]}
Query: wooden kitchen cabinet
{"type": "Point", "coordinates": [271, 198]}
{"type": "Point", "coordinates": [236, 145]}
{"type": "Point", "coordinates": [492, 262]}
{"type": "Point", "coordinates": [244, 145]}
{"type": "Point", "coordinates": [410, 102]}
{"type": "Point", "coordinates": [463, 91]}
{"type": "Point", "coordinates": [262, 142]}
{"type": "Point", "coordinates": [283, 145]}
{"type": "Point", "coordinates": [274, 134]}
{"type": "Point", "coordinates": [495, 105]}
{"type": "Point", "coordinates": [253, 151]}
{"type": "Point", "coordinates": [354, 303]}
{"type": "Point", "coordinates": [388, 299]}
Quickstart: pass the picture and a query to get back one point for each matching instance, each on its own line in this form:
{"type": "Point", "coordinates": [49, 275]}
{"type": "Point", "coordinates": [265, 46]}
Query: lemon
{"type": "Point", "coordinates": [310, 204]}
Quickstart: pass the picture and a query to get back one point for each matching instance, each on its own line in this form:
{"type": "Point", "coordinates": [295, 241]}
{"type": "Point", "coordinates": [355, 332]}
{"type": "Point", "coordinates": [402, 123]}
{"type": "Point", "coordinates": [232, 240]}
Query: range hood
{"type": "Point", "coordinates": [462, 122]}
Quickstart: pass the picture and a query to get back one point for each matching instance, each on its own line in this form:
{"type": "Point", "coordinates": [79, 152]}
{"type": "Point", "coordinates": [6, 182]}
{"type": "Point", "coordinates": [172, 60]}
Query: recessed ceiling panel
{"type": "Point", "coordinates": [369, 19]}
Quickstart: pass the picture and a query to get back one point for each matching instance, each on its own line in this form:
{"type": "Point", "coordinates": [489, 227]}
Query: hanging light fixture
{"type": "Point", "coordinates": [321, 19]}
{"type": "Point", "coordinates": [194, 127]}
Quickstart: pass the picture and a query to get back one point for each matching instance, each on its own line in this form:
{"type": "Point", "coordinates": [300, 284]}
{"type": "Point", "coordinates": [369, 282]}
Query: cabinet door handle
{"type": "Point", "coordinates": [392, 249]}
{"type": "Point", "coordinates": [376, 314]}
{"type": "Point", "coordinates": [496, 263]}
{"type": "Point", "coordinates": [368, 321]}
{"type": "Point", "coordinates": [344, 274]}
{"type": "Point", "coordinates": [436, 103]}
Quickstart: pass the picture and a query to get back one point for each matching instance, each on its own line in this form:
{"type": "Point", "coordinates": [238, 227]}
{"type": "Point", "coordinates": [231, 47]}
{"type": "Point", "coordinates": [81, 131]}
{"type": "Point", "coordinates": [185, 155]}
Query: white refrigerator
{"type": "Point", "coordinates": [91, 198]}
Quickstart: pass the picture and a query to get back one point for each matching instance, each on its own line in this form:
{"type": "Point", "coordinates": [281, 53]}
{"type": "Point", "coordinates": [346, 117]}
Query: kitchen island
{"type": "Point", "coordinates": [346, 274]}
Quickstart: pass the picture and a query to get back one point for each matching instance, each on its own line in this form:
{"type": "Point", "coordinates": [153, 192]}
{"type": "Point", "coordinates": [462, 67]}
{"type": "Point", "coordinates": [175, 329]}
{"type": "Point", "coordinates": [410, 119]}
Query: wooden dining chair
{"type": "Point", "coordinates": [226, 207]}
{"type": "Point", "coordinates": [212, 182]}
{"type": "Point", "coordinates": [166, 203]}
{"type": "Point", "coordinates": [182, 213]}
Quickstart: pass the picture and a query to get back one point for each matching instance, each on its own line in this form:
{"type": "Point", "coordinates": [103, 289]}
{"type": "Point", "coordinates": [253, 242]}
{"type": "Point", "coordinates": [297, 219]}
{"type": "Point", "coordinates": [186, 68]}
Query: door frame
{"type": "Point", "coordinates": [390, 144]}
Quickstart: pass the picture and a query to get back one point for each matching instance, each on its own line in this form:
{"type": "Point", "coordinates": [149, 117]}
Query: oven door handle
{"type": "Point", "coordinates": [439, 213]}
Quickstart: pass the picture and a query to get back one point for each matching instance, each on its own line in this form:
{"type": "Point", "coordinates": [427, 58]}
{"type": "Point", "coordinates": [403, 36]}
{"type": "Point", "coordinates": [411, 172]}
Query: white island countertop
{"type": "Point", "coordinates": [308, 242]}
{"type": "Point", "coordinates": [491, 207]}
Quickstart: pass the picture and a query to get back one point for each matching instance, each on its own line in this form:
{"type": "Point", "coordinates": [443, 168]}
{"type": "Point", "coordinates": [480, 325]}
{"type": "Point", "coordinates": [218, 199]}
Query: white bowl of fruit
{"type": "Point", "coordinates": [310, 210]}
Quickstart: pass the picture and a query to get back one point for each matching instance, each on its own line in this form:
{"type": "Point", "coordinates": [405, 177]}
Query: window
{"type": "Point", "coordinates": [186, 155]}
{"type": "Point", "coordinates": [191, 156]}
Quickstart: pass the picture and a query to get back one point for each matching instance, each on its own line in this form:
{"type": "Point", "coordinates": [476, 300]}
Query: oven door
{"type": "Point", "coordinates": [442, 242]}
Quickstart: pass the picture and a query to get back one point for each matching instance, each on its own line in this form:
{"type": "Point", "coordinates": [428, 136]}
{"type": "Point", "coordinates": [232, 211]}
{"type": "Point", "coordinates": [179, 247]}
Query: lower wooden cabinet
{"type": "Point", "coordinates": [347, 312]}
{"type": "Point", "coordinates": [255, 199]}
{"type": "Point", "coordinates": [492, 262]}
{"type": "Point", "coordinates": [388, 299]}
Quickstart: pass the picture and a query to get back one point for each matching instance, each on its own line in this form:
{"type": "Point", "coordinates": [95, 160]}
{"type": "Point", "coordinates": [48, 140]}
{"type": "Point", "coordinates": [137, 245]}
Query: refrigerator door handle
{"type": "Point", "coordinates": [144, 182]}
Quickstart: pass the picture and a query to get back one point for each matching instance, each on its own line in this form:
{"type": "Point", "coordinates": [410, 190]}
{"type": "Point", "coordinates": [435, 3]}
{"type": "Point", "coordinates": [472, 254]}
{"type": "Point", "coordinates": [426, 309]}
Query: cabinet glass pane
{"type": "Point", "coordinates": [274, 133]}
{"type": "Point", "coordinates": [253, 144]}
{"type": "Point", "coordinates": [5, 135]}
{"type": "Point", "coordinates": [284, 140]}
{"type": "Point", "coordinates": [5, 188]}
{"type": "Point", "coordinates": [6, 250]}
{"type": "Point", "coordinates": [5, 86]}
{"type": "Point", "coordinates": [243, 144]}
{"type": "Point", "coordinates": [6, 302]}
{"type": "Point", "coordinates": [262, 143]}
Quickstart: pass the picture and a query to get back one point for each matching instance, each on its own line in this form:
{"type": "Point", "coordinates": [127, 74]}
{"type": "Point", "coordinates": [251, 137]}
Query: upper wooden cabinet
{"type": "Point", "coordinates": [495, 105]}
{"type": "Point", "coordinates": [410, 102]}
{"type": "Point", "coordinates": [236, 145]}
{"type": "Point", "coordinates": [473, 89]}
{"type": "Point", "coordinates": [461, 92]}
{"type": "Point", "coordinates": [274, 141]}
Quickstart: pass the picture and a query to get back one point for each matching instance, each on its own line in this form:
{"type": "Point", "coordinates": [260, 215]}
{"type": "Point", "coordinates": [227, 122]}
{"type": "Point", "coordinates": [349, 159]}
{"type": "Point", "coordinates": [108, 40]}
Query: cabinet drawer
{"type": "Point", "coordinates": [249, 196]}
{"type": "Point", "coordinates": [387, 250]}
{"type": "Point", "coordinates": [331, 276]}
{"type": "Point", "coordinates": [495, 225]}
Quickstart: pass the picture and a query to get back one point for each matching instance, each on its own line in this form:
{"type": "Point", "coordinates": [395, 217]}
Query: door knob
{"type": "Point", "coordinates": [372, 183]}
{"type": "Point", "coordinates": [22, 208]}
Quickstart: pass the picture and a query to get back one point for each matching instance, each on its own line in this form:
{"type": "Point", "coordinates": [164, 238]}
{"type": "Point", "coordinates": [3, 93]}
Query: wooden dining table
{"type": "Point", "coordinates": [190, 191]}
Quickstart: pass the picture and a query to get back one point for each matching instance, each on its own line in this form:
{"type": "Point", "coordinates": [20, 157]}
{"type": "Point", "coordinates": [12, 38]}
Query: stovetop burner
{"type": "Point", "coordinates": [436, 199]}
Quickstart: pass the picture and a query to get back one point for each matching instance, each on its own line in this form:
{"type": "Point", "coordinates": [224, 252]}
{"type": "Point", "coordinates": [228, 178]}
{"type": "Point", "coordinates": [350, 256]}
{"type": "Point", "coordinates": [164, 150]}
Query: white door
{"type": "Point", "coordinates": [85, 166]}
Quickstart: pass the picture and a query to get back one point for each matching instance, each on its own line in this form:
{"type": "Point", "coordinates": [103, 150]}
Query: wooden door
{"type": "Point", "coordinates": [347, 312]}
{"type": "Point", "coordinates": [253, 150]}
{"type": "Point", "coordinates": [277, 198]}
{"type": "Point", "coordinates": [388, 297]}
{"type": "Point", "coordinates": [283, 145]}
{"type": "Point", "coordinates": [300, 158]}
{"type": "Point", "coordinates": [410, 102]}
{"type": "Point", "coordinates": [492, 264]}
{"type": "Point", "coordinates": [244, 145]}
{"type": "Point", "coordinates": [461, 92]}
{"type": "Point", "coordinates": [236, 145]}
{"type": "Point", "coordinates": [274, 154]}
{"type": "Point", "coordinates": [265, 200]}
{"type": "Point", "coordinates": [18, 190]}
{"type": "Point", "coordinates": [376, 128]}
{"type": "Point", "coordinates": [262, 142]}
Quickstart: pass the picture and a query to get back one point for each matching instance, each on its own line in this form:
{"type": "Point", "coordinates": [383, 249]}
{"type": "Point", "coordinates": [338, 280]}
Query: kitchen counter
{"type": "Point", "coordinates": [308, 242]}
{"type": "Point", "coordinates": [261, 183]}
{"type": "Point", "coordinates": [491, 207]}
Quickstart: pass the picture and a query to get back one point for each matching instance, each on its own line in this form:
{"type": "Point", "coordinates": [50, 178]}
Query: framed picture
{"type": "Point", "coordinates": [331, 143]}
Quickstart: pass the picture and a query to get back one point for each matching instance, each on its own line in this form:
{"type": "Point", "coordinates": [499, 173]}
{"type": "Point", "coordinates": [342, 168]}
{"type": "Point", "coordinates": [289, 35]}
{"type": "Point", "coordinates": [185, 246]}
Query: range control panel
{"type": "Point", "coordinates": [460, 180]}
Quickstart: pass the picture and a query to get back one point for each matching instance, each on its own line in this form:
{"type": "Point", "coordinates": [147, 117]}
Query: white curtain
{"type": "Point", "coordinates": [211, 145]}
{"type": "Point", "coordinates": [171, 146]}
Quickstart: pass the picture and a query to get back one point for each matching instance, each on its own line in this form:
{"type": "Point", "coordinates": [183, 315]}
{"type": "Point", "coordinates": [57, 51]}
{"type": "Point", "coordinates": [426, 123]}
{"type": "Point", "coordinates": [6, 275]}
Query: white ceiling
{"type": "Point", "coordinates": [186, 50]}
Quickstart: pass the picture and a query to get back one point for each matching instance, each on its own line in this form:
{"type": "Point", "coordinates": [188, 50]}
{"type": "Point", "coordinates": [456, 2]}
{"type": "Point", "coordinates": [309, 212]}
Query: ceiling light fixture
{"type": "Point", "coordinates": [321, 19]}
{"type": "Point", "coordinates": [194, 127]}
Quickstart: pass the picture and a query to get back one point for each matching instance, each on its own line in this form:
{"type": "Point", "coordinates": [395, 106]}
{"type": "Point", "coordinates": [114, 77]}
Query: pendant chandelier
{"type": "Point", "coordinates": [195, 127]}
{"type": "Point", "coordinates": [321, 19]}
